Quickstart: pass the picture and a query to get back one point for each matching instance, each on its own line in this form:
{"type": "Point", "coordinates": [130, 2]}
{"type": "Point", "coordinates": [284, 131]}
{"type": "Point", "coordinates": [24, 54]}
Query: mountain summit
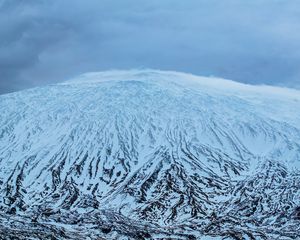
{"type": "Point", "coordinates": [146, 154]}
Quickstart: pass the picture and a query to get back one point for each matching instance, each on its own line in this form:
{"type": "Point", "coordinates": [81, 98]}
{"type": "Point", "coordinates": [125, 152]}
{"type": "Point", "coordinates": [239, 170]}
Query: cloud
{"type": "Point", "coordinates": [44, 42]}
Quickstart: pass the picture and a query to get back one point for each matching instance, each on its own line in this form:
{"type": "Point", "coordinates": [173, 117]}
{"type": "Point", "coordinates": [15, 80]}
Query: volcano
{"type": "Point", "coordinates": [148, 154]}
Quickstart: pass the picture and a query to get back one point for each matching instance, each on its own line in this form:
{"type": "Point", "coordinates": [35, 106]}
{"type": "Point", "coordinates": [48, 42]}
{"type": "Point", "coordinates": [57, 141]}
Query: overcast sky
{"type": "Point", "coordinates": [255, 41]}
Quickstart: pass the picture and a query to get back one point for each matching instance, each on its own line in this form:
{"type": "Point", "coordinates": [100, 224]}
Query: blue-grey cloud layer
{"type": "Point", "coordinates": [45, 41]}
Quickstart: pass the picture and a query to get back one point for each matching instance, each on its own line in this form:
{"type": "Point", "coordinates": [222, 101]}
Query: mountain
{"type": "Point", "coordinates": [146, 154]}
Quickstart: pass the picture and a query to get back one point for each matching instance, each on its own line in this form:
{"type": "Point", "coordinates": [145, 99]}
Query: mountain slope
{"type": "Point", "coordinates": [150, 154]}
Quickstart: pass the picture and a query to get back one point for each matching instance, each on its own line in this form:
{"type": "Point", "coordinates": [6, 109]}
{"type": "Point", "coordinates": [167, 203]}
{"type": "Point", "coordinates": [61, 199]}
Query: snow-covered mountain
{"type": "Point", "coordinates": [146, 154]}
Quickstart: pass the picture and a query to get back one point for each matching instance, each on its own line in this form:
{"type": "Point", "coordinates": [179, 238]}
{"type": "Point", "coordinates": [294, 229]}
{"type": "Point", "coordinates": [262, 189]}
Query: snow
{"type": "Point", "coordinates": [104, 134]}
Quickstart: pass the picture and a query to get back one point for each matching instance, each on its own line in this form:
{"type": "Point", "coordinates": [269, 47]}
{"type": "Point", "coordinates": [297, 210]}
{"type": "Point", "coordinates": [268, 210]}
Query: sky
{"type": "Point", "coordinates": [44, 42]}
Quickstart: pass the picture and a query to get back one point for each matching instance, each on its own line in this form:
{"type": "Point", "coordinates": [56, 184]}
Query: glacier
{"type": "Point", "coordinates": [149, 154]}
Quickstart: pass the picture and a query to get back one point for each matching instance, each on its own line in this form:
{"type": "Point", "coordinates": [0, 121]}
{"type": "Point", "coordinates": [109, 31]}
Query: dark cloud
{"type": "Point", "coordinates": [44, 41]}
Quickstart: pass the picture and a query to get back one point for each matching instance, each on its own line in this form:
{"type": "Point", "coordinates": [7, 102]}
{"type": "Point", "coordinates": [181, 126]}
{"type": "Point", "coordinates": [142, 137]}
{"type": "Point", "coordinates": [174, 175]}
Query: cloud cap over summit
{"type": "Point", "coordinates": [43, 42]}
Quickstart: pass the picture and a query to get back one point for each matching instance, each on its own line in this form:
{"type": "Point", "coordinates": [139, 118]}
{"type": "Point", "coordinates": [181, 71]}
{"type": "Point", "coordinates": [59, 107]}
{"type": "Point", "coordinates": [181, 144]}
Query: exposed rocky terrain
{"type": "Point", "coordinates": [150, 155]}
